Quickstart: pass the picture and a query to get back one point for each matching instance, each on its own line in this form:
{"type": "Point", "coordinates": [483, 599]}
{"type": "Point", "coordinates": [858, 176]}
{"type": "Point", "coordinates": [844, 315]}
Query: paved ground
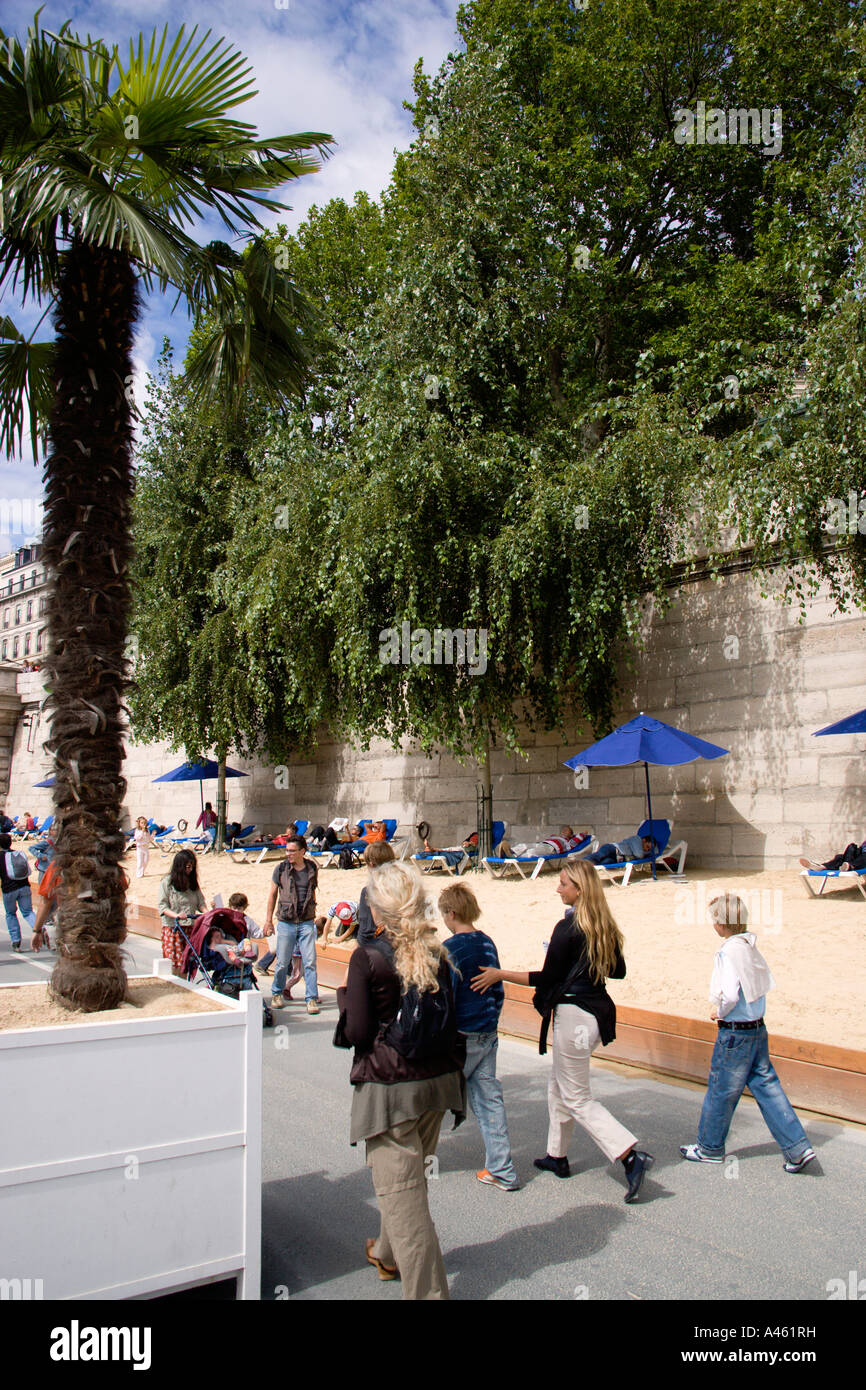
{"type": "Point", "coordinates": [746, 1230]}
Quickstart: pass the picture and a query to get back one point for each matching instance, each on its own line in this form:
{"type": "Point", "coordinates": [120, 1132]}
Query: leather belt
{"type": "Point", "coordinates": [753, 1023]}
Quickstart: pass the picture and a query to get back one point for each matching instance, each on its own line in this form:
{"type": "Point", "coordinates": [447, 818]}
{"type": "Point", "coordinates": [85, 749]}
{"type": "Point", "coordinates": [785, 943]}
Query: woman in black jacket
{"type": "Point", "coordinates": [585, 950]}
{"type": "Point", "coordinates": [399, 1102]}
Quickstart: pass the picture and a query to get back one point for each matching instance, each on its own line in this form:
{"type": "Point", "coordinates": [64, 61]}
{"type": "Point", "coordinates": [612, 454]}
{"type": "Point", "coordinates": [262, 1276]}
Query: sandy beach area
{"type": "Point", "coordinates": [816, 949]}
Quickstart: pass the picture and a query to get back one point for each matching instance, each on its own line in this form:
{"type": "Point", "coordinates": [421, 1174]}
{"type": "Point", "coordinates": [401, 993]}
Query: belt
{"type": "Point", "coordinates": [753, 1023]}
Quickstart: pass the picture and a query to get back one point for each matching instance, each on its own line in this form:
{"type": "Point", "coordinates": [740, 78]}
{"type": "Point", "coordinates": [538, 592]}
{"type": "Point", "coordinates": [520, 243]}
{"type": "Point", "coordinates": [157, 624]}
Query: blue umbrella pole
{"type": "Point", "coordinates": [650, 818]}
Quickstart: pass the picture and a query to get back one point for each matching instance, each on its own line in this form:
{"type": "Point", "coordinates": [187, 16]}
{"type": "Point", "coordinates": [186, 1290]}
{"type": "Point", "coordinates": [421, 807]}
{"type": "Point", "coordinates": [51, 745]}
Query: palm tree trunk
{"type": "Point", "coordinates": [88, 477]}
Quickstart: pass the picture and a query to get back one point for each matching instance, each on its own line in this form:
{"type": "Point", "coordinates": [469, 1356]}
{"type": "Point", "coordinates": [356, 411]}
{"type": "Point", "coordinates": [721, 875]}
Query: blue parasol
{"type": "Point", "coordinates": [198, 772]}
{"type": "Point", "coordinates": [852, 724]}
{"type": "Point", "coordinates": [645, 740]}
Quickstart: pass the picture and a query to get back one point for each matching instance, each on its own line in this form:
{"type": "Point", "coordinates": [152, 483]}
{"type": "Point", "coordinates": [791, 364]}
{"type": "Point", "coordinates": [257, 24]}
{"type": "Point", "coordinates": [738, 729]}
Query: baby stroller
{"type": "Point", "coordinates": [220, 975]}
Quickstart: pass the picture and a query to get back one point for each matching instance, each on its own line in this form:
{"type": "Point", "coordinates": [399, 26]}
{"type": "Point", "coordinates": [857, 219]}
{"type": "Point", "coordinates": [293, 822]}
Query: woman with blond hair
{"type": "Point", "coordinates": [399, 1099]}
{"type": "Point", "coordinates": [585, 950]}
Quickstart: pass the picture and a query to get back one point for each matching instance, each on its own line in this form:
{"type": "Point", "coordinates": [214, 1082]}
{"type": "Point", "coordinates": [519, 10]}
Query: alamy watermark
{"type": "Point", "coordinates": [408, 646]}
{"type": "Point", "coordinates": [847, 517]}
{"type": "Point", "coordinates": [731, 126]}
{"type": "Point", "coordinates": [21, 515]}
{"type": "Point", "coordinates": [763, 906]}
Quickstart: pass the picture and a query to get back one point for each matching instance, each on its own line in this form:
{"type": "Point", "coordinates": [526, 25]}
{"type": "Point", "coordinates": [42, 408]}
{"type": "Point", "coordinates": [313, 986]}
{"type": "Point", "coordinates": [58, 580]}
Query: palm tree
{"type": "Point", "coordinates": [105, 164]}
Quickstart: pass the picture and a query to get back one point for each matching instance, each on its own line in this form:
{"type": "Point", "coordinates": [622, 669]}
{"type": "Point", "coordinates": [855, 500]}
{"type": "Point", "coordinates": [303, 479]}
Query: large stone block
{"type": "Point", "coordinates": [842, 669]}
{"type": "Point", "coordinates": [630, 811]}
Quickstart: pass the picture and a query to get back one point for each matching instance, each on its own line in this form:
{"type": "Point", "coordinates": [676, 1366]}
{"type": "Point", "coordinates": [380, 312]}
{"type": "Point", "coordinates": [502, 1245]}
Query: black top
{"type": "Point", "coordinates": [7, 881]}
{"type": "Point", "coordinates": [566, 951]}
{"type": "Point", "coordinates": [368, 932]}
{"type": "Point", "coordinates": [371, 998]}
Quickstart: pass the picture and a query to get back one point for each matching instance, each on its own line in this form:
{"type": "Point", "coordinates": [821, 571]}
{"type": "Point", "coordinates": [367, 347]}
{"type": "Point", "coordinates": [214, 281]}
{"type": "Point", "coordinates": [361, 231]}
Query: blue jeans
{"type": "Point", "coordinates": [605, 854]}
{"type": "Point", "coordinates": [741, 1057]}
{"type": "Point", "coordinates": [15, 901]}
{"type": "Point", "coordinates": [295, 937]}
{"type": "Point", "coordinates": [485, 1097]}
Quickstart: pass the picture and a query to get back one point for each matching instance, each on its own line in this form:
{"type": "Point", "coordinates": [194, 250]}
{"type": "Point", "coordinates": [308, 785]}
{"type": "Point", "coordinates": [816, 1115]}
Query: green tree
{"type": "Point", "coordinates": [105, 161]}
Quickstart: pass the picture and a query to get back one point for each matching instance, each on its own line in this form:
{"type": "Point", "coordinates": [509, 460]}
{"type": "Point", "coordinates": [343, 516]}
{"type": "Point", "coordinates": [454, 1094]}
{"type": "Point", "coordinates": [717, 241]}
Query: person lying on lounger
{"type": "Point", "coordinates": [554, 844]}
{"type": "Point", "coordinates": [632, 847]}
{"type": "Point", "coordinates": [852, 857]}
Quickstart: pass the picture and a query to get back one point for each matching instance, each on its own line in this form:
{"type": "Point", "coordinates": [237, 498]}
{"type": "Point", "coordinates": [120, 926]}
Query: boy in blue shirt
{"type": "Point", "coordinates": [478, 1020]}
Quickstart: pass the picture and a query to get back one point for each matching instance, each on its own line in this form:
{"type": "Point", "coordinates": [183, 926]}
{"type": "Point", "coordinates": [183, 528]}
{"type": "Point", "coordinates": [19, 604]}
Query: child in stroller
{"type": "Point", "coordinates": [219, 946]}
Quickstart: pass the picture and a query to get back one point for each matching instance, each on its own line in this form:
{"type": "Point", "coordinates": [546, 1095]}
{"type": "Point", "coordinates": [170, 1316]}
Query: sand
{"type": "Point", "coordinates": [815, 948]}
{"type": "Point", "coordinates": [28, 1006]}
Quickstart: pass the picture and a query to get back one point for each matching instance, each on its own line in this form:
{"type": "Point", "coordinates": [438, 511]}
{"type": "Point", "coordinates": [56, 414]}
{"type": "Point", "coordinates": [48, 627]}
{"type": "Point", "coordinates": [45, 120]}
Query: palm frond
{"type": "Point", "coordinates": [26, 388]}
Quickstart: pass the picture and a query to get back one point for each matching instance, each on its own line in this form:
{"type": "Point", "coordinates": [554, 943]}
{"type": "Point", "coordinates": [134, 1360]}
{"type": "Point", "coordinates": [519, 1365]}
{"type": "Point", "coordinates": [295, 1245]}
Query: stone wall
{"type": "Point", "coordinates": [728, 664]}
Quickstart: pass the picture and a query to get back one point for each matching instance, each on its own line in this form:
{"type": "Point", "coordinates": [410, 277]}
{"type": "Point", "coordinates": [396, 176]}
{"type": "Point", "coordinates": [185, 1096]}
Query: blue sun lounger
{"type": "Point", "coordinates": [436, 859]}
{"type": "Point", "coordinates": [853, 878]}
{"type": "Point", "coordinates": [499, 866]}
{"type": "Point", "coordinates": [620, 871]}
{"type": "Point", "coordinates": [326, 857]}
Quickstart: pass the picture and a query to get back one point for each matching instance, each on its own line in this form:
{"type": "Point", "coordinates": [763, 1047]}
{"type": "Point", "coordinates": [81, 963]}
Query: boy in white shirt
{"type": "Point", "coordinates": [740, 982]}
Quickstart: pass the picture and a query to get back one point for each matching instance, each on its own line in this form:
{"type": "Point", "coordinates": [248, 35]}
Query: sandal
{"type": "Point", "coordinates": [384, 1271]}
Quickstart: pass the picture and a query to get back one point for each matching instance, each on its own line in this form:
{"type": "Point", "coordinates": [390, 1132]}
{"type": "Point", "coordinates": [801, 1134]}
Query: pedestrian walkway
{"type": "Point", "coordinates": [739, 1231]}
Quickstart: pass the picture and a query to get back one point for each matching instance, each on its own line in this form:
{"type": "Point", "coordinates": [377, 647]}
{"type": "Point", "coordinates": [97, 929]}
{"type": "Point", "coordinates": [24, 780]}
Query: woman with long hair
{"type": "Point", "coordinates": [399, 1100]}
{"type": "Point", "coordinates": [180, 900]}
{"type": "Point", "coordinates": [585, 950]}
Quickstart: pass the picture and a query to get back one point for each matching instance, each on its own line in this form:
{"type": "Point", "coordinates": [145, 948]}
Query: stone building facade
{"type": "Point", "coordinates": [726, 662]}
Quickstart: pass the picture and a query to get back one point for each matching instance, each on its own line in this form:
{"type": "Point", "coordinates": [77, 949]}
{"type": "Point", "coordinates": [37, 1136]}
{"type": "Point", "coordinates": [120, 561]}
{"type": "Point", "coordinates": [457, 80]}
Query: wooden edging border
{"type": "Point", "coordinates": [816, 1076]}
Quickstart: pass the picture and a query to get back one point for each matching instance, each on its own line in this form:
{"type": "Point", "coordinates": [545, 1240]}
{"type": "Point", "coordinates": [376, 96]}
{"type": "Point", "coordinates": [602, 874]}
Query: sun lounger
{"type": "Point", "coordinates": [430, 859]}
{"type": "Point", "coordinates": [621, 870]}
{"type": "Point", "coordinates": [852, 878]}
{"type": "Point", "coordinates": [326, 857]}
{"type": "Point", "coordinates": [522, 863]}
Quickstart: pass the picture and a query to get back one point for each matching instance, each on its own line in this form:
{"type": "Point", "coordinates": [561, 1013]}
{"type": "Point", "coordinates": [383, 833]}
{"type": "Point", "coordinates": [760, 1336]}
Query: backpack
{"type": "Point", "coordinates": [426, 1024]}
{"type": "Point", "coordinates": [347, 859]}
{"type": "Point", "coordinates": [17, 865]}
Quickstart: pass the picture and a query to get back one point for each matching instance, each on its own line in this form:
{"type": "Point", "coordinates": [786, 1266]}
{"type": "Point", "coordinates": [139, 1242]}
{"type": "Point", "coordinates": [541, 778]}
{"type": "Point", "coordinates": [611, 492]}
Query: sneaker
{"type": "Point", "coordinates": [796, 1165]}
{"type": "Point", "coordinates": [287, 994]}
{"type": "Point", "coordinates": [312, 1006]}
{"type": "Point", "coordinates": [277, 1001]}
{"type": "Point", "coordinates": [485, 1176]}
{"type": "Point", "coordinates": [261, 970]}
{"type": "Point", "coordinates": [695, 1155]}
{"type": "Point", "coordinates": [559, 1166]}
{"type": "Point", "coordinates": [16, 945]}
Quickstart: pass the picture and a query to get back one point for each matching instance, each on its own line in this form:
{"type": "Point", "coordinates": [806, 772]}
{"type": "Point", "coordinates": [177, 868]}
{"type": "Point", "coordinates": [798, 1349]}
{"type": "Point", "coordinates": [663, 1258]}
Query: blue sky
{"type": "Point", "coordinates": [344, 68]}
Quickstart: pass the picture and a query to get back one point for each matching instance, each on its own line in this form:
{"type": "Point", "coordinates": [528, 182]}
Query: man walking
{"type": "Point", "coordinates": [293, 894]}
{"type": "Point", "coordinates": [15, 883]}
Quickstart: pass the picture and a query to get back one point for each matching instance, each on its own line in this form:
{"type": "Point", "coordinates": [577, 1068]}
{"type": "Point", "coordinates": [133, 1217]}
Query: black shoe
{"type": "Point", "coordinates": [635, 1167]}
{"type": "Point", "coordinates": [16, 945]}
{"type": "Point", "coordinates": [559, 1166]}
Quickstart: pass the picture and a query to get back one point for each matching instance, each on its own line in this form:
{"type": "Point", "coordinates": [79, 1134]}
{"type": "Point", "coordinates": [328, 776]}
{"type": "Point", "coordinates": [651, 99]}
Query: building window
{"type": "Point", "coordinates": [21, 582]}
{"type": "Point", "coordinates": [29, 609]}
{"type": "Point", "coordinates": [5, 617]}
{"type": "Point", "coordinates": [41, 607]}
{"type": "Point", "coordinates": [5, 645]}
{"type": "Point", "coordinates": [9, 587]}
{"type": "Point", "coordinates": [15, 648]}
{"type": "Point", "coordinates": [39, 640]}
{"type": "Point", "coordinates": [33, 580]}
{"type": "Point", "coordinates": [17, 616]}
{"type": "Point", "coordinates": [27, 644]}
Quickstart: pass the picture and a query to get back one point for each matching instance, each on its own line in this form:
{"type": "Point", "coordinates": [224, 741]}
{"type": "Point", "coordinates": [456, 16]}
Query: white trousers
{"type": "Point", "coordinates": [575, 1034]}
{"type": "Point", "coordinates": [141, 858]}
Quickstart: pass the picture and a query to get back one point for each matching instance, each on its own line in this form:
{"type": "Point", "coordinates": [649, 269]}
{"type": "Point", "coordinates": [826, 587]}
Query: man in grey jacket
{"type": "Point", "coordinates": [293, 894]}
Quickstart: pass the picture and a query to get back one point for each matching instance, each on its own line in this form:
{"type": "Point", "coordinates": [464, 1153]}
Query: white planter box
{"type": "Point", "coordinates": [130, 1152]}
